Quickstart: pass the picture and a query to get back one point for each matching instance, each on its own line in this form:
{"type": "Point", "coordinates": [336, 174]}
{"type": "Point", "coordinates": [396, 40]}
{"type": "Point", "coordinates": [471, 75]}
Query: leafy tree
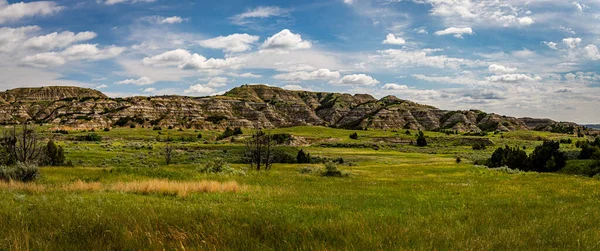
{"type": "Point", "coordinates": [547, 157]}
{"type": "Point", "coordinates": [260, 148]}
{"type": "Point", "coordinates": [54, 154]}
{"type": "Point", "coordinates": [302, 157]}
{"type": "Point", "coordinates": [421, 141]}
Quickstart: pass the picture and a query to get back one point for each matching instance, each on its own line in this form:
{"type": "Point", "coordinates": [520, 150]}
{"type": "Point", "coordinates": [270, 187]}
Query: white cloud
{"type": "Point", "coordinates": [11, 38]}
{"type": "Point", "coordinates": [513, 78]}
{"type": "Point", "coordinates": [150, 90]}
{"type": "Point", "coordinates": [394, 86]}
{"type": "Point", "coordinates": [47, 59]}
{"type": "Point", "coordinates": [551, 45]}
{"type": "Point", "coordinates": [76, 52]}
{"type": "Point", "coordinates": [321, 74]}
{"type": "Point", "coordinates": [17, 11]}
{"type": "Point", "coordinates": [356, 79]}
{"type": "Point", "coordinates": [572, 42]}
{"type": "Point", "coordinates": [457, 32]}
{"type": "Point", "coordinates": [101, 86]}
{"type": "Point", "coordinates": [285, 40]}
{"type": "Point", "coordinates": [172, 20]}
{"type": "Point", "coordinates": [258, 13]}
{"type": "Point", "coordinates": [111, 2]}
{"type": "Point", "coordinates": [480, 13]}
{"type": "Point", "coordinates": [348, 1]}
{"type": "Point", "coordinates": [232, 43]}
{"type": "Point", "coordinates": [57, 40]}
{"type": "Point", "coordinates": [392, 39]}
{"type": "Point", "coordinates": [501, 69]}
{"type": "Point", "coordinates": [183, 59]}
{"type": "Point", "coordinates": [591, 52]}
{"type": "Point", "coordinates": [140, 81]}
{"type": "Point", "coordinates": [394, 58]}
{"type": "Point", "coordinates": [244, 75]}
{"type": "Point", "coordinates": [217, 82]}
{"type": "Point", "coordinates": [199, 89]}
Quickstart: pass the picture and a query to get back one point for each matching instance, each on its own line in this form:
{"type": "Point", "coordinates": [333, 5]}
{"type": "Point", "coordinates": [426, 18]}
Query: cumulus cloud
{"type": "Point", "coordinates": [17, 11]}
{"type": "Point", "coordinates": [393, 39]}
{"type": "Point", "coordinates": [57, 40]}
{"type": "Point", "coordinates": [295, 88]}
{"type": "Point", "coordinates": [321, 74]}
{"type": "Point", "coordinates": [140, 81]}
{"type": "Point", "coordinates": [89, 52]}
{"type": "Point", "coordinates": [183, 59]}
{"type": "Point", "coordinates": [285, 40]}
{"type": "Point", "coordinates": [199, 89]}
{"type": "Point", "coordinates": [394, 86]}
{"type": "Point", "coordinates": [232, 43]}
{"type": "Point", "coordinates": [551, 45]}
{"type": "Point", "coordinates": [217, 82]}
{"type": "Point", "coordinates": [501, 69]}
{"type": "Point", "coordinates": [356, 79]}
{"type": "Point", "coordinates": [111, 2]}
{"type": "Point", "coordinates": [261, 12]}
{"type": "Point", "coordinates": [164, 20]}
{"type": "Point", "coordinates": [457, 32]}
{"type": "Point", "coordinates": [481, 13]}
{"type": "Point", "coordinates": [572, 42]}
{"type": "Point", "coordinates": [11, 38]}
{"type": "Point", "coordinates": [513, 78]}
{"type": "Point", "coordinates": [394, 58]}
{"type": "Point", "coordinates": [591, 52]}
{"type": "Point", "coordinates": [244, 75]}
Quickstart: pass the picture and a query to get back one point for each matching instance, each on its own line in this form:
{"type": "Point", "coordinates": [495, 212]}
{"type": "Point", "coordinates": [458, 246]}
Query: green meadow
{"type": "Point", "coordinates": [120, 195]}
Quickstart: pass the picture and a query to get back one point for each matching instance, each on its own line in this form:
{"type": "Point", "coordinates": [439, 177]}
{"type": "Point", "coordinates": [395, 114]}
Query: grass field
{"type": "Point", "coordinates": [120, 195]}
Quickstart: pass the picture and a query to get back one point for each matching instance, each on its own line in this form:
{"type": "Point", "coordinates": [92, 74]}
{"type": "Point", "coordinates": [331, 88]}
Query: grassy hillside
{"type": "Point", "coordinates": [120, 195]}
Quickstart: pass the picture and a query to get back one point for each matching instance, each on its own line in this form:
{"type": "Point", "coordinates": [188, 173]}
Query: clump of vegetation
{"type": "Point", "coordinates": [308, 170]}
{"type": "Point", "coordinates": [407, 132]}
{"type": "Point", "coordinates": [331, 170]}
{"type": "Point", "coordinates": [458, 160]}
{"type": "Point", "coordinates": [282, 138]}
{"type": "Point", "coordinates": [479, 146]}
{"type": "Point", "coordinates": [61, 131]}
{"type": "Point", "coordinates": [545, 158]}
{"type": "Point", "coordinates": [303, 157]}
{"type": "Point", "coordinates": [93, 137]}
{"type": "Point", "coordinates": [54, 155]}
{"type": "Point", "coordinates": [421, 141]}
{"type": "Point", "coordinates": [229, 132]}
{"type": "Point", "coordinates": [215, 119]}
{"type": "Point", "coordinates": [354, 135]}
{"type": "Point", "coordinates": [220, 166]}
{"type": "Point", "coordinates": [23, 172]}
{"type": "Point", "coordinates": [260, 149]}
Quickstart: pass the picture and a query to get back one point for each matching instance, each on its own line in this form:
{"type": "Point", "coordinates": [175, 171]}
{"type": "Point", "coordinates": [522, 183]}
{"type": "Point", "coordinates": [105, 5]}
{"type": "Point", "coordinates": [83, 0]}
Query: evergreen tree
{"type": "Point", "coordinates": [421, 141]}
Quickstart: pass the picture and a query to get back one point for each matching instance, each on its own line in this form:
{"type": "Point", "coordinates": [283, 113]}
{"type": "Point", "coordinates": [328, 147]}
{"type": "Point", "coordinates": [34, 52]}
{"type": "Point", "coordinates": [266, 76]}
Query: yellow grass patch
{"type": "Point", "coordinates": [156, 186]}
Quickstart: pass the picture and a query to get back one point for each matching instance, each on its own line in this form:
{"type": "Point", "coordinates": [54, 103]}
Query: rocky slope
{"type": "Point", "coordinates": [246, 106]}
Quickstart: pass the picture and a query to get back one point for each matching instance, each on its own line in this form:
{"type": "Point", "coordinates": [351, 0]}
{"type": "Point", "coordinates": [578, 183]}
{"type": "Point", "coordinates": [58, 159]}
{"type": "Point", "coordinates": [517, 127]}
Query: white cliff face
{"type": "Point", "coordinates": [246, 106]}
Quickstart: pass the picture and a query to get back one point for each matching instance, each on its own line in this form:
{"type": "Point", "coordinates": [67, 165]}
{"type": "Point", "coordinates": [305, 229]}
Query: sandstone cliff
{"type": "Point", "coordinates": [246, 106]}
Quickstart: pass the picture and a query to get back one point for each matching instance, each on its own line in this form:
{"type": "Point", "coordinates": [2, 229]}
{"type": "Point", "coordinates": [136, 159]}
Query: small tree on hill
{"type": "Point", "coordinates": [260, 148]}
{"type": "Point", "coordinates": [421, 141]}
{"type": "Point", "coordinates": [303, 157]}
{"type": "Point", "coordinates": [21, 145]}
{"type": "Point", "coordinates": [354, 135]}
{"type": "Point", "coordinates": [54, 154]}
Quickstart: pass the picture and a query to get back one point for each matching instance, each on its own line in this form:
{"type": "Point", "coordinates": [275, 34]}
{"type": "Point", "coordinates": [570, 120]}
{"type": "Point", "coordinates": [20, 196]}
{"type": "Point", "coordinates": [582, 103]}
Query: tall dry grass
{"type": "Point", "coordinates": [155, 186]}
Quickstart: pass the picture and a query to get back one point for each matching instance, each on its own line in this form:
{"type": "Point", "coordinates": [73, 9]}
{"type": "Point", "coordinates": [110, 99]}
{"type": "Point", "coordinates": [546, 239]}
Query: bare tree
{"type": "Point", "coordinates": [21, 145]}
{"type": "Point", "coordinates": [259, 149]}
{"type": "Point", "coordinates": [168, 150]}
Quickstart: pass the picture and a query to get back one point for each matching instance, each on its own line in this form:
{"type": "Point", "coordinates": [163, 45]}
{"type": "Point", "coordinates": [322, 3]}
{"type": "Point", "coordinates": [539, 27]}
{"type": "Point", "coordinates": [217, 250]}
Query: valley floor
{"type": "Point", "coordinates": [121, 196]}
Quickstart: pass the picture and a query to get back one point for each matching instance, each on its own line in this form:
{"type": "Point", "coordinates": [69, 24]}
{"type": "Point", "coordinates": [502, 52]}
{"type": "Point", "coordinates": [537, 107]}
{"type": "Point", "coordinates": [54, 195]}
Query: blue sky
{"type": "Point", "coordinates": [520, 58]}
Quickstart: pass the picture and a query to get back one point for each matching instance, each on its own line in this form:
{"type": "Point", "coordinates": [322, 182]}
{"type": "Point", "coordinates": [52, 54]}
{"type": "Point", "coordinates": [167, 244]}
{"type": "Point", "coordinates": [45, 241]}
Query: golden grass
{"type": "Point", "coordinates": [182, 189]}
{"type": "Point", "coordinates": [27, 187]}
{"type": "Point", "coordinates": [155, 186]}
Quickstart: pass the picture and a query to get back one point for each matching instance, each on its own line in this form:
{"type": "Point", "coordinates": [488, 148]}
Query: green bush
{"type": "Point", "coordinates": [421, 141]}
{"type": "Point", "coordinates": [20, 172]}
{"type": "Point", "coordinates": [54, 155]}
{"type": "Point", "coordinates": [219, 166]}
{"type": "Point", "coordinates": [331, 170]}
{"type": "Point", "coordinates": [354, 135]}
{"type": "Point", "coordinates": [303, 157]}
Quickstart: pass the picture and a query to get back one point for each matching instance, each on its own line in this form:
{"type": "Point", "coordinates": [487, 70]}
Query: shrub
{"type": "Point", "coordinates": [90, 137]}
{"type": "Point", "coordinates": [199, 136]}
{"type": "Point", "coordinates": [20, 172]}
{"type": "Point", "coordinates": [107, 129]}
{"type": "Point", "coordinates": [331, 170]}
{"type": "Point", "coordinates": [479, 146]}
{"type": "Point", "coordinates": [281, 138]}
{"type": "Point", "coordinates": [307, 170]}
{"type": "Point", "coordinates": [302, 157]}
{"type": "Point", "coordinates": [407, 132]}
{"type": "Point", "coordinates": [157, 128]}
{"type": "Point", "coordinates": [513, 158]}
{"type": "Point", "coordinates": [354, 135]}
{"type": "Point", "coordinates": [228, 133]}
{"type": "Point", "coordinates": [219, 166]}
{"type": "Point", "coordinates": [547, 157]}
{"type": "Point", "coordinates": [458, 160]}
{"type": "Point", "coordinates": [54, 155]}
{"type": "Point", "coordinates": [421, 141]}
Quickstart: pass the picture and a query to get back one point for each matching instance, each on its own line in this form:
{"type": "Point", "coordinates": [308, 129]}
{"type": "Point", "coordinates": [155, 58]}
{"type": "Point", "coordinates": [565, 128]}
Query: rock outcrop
{"type": "Point", "coordinates": [249, 105]}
